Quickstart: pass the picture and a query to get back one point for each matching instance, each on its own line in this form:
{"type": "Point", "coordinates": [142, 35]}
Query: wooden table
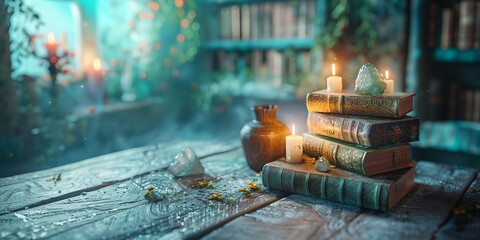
{"type": "Point", "coordinates": [103, 197]}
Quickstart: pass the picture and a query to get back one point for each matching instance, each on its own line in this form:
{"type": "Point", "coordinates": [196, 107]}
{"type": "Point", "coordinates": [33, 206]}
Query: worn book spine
{"type": "Point", "coordinates": [362, 194]}
{"type": "Point", "coordinates": [466, 24]}
{"type": "Point", "coordinates": [349, 157]}
{"type": "Point", "coordinates": [363, 132]}
{"type": "Point", "coordinates": [355, 105]}
{"type": "Point", "coordinates": [446, 35]}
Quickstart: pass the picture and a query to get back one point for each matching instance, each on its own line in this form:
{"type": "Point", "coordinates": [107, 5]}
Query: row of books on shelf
{"type": "Point", "coordinates": [460, 25]}
{"type": "Point", "coordinates": [367, 139]}
{"type": "Point", "coordinates": [461, 101]}
{"type": "Point", "coordinates": [283, 19]}
{"type": "Point", "coordinates": [279, 64]}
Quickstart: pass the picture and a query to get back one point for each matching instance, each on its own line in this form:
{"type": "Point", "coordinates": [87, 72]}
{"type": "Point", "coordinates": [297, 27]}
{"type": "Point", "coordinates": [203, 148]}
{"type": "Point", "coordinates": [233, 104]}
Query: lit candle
{"type": "Point", "coordinates": [334, 83]}
{"type": "Point", "coordinates": [389, 82]}
{"type": "Point", "coordinates": [95, 79]}
{"type": "Point", "coordinates": [96, 73]}
{"type": "Point", "coordinates": [294, 147]}
{"type": "Point", "coordinates": [97, 66]}
{"type": "Point", "coordinates": [51, 45]}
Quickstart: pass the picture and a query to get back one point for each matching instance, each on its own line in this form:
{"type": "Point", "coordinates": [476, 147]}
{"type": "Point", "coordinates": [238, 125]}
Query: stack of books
{"type": "Point", "coordinates": [366, 138]}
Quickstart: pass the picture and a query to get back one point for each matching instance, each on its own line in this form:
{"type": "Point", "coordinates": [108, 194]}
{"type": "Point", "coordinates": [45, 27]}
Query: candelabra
{"type": "Point", "coordinates": [56, 61]}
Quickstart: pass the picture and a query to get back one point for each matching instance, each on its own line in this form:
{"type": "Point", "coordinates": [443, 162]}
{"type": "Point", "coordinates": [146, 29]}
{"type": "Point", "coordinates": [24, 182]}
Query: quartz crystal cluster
{"type": "Point", "coordinates": [186, 163]}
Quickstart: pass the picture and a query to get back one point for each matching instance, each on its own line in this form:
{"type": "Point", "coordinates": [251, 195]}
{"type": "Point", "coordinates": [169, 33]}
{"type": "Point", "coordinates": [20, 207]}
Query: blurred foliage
{"type": "Point", "coordinates": [361, 31]}
{"type": "Point", "coordinates": [149, 44]}
{"type": "Point", "coordinates": [18, 13]}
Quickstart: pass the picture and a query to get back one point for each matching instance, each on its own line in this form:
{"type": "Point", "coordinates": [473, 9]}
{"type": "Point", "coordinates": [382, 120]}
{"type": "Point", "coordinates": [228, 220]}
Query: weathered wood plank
{"type": "Point", "coordinates": [439, 188]}
{"type": "Point", "coordinates": [120, 210]}
{"type": "Point", "coordinates": [202, 148]}
{"type": "Point", "coordinates": [95, 173]}
{"type": "Point", "coordinates": [464, 221]}
{"type": "Point", "coordinates": [294, 217]}
{"type": "Point", "coordinates": [418, 216]}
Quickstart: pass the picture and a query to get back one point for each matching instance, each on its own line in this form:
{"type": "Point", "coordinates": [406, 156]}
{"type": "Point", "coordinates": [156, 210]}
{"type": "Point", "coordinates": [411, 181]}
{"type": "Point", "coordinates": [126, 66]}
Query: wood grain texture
{"type": "Point", "coordinates": [418, 216]}
{"type": "Point", "coordinates": [464, 221]}
{"type": "Point", "coordinates": [294, 217]}
{"type": "Point", "coordinates": [121, 211]}
{"type": "Point", "coordinates": [35, 189]}
{"type": "Point", "coordinates": [439, 188]}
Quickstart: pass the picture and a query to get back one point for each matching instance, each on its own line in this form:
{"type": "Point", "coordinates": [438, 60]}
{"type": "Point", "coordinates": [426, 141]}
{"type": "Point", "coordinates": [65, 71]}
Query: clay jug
{"type": "Point", "coordinates": [263, 139]}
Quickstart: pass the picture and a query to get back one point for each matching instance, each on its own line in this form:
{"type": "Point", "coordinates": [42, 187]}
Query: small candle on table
{"type": "Point", "coordinates": [294, 147]}
{"type": "Point", "coordinates": [334, 83]}
{"type": "Point", "coordinates": [389, 82]}
{"type": "Point", "coordinates": [51, 45]}
{"type": "Point", "coordinates": [95, 79]}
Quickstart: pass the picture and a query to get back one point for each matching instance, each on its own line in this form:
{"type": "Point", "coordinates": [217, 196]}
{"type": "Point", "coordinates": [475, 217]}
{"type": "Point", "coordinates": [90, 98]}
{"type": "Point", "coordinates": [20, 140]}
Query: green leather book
{"type": "Point", "coordinates": [393, 105]}
{"type": "Point", "coordinates": [381, 192]}
{"type": "Point", "coordinates": [363, 130]}
{"type": "Point", "coordinates": [362, 160]}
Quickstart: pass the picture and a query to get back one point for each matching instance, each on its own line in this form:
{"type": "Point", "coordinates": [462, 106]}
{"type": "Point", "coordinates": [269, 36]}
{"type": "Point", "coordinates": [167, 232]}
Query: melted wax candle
{"type": "Point", "coordinates": [294, 147]}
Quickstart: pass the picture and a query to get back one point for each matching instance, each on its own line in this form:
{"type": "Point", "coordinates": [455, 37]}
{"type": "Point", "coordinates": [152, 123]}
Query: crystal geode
{"type": "Point", "coordinates": [186, 163]}
{"type": "Point", "coordinates": [322, 165]}
{"type": "Point", "coordinates": [369, 81]}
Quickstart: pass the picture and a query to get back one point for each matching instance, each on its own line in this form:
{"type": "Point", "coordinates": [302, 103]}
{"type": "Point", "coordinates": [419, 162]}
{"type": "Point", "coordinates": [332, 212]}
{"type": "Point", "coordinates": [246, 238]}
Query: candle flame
{"type": "Point", "coordinates": [293, 129]}
{"type": "Point", "coordinates": [97, 65]}
{"type": "Point", "coordinates": [51, 38]}
{"type": "Point", "coordinates": [333, 69]}
{"type": "Point", "coordinates": [386, 74]}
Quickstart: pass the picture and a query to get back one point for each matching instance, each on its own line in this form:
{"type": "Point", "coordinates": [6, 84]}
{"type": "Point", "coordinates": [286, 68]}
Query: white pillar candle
{"type": "Point", "coordinates": [390, 85]}
{"type": "Point", "coordinates": [294, 147]}
{"type": "Point", "coordinates": [334, 83]}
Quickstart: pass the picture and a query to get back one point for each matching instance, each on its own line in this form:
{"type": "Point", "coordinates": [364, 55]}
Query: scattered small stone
{"type": "Point", "coordinates": [322, 165]}
{"type": "Point", "coordinates": [84, 193]}
{"type": "Point", "coordinates": [369, 81]}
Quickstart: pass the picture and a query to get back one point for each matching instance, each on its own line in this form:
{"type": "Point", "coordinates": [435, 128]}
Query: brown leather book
{"type": "Point", "coordinates": [394, 105]}
{"type": "Point", "coordinates": [381, 192]}
{"type": "Point", "coordinates": [362, 160]}
{"type": "Point", "coordinates": [363, 130]}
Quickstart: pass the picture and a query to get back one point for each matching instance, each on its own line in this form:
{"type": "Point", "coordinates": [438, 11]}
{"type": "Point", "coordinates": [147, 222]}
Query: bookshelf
{"type": "Point", "coordinates": [264, 44]}
{"type": "Point", "coordinates": [443, 69]}
{"type": "Point", "coordinates": [456, 55]}
{"type": "Point", "coordinates": [267, 44]}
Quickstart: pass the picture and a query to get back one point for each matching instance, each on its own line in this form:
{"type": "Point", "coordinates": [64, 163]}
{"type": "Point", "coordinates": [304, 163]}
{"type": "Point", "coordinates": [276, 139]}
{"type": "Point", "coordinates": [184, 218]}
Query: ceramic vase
{"type": "Point", "coordinates": [263, 139]}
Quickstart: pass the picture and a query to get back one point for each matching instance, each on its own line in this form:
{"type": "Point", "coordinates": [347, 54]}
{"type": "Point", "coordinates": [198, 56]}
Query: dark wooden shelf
{"type": "Point", "coordinates": [457, 55]}
{"type": "Point", "coordinates": [231, 2]}
{"type": "Point", "coordinates": [243, 45]}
